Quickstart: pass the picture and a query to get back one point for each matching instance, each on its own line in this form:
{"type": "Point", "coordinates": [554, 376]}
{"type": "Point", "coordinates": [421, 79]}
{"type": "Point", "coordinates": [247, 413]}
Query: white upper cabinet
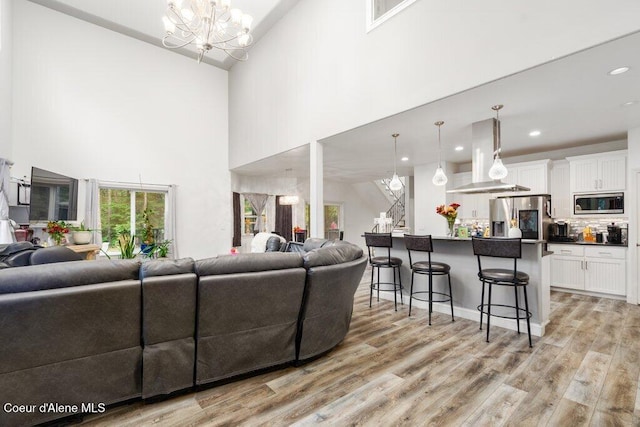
{"type": "Point", "coordinates": [559, 190]}
{"type": "Point", "coordinates": [472, 206]}
{"type": "Point", "coordinates": [534, 175]}
{"type": "Point", "coordinates": [598, 172]}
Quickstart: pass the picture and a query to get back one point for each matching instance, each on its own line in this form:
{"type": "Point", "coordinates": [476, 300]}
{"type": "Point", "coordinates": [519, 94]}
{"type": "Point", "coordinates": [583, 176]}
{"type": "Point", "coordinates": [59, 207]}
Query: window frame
{"type": "Point", "coordinates": [133, 188]}
{"type": "Point", "coordinates": [372, 23]}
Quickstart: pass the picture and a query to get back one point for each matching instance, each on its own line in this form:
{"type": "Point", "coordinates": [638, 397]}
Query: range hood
{"type": "Point", "coordinates": [495, 186]}
{"type": "Point", "coordinates": [483, 141]}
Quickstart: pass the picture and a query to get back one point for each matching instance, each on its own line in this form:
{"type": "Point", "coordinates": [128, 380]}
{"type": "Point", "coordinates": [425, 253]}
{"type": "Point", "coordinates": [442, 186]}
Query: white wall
{"type": "Point", "coordinates": [358, 212]}
{"type": "Point", "coordinates": [428, 197]}
{"type": "Point", "coordinates": [91, 103]}
{"type": "Point", "coordinates": [318, 72]}
{"type": "Point", "coordinates": [633, 207]}
{"type": "Point", "coordinates": [5, 78]}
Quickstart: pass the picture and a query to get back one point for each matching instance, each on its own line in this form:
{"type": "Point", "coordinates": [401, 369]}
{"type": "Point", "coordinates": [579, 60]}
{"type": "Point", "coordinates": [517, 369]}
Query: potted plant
{"type": "Point", "coordinates": [162, 248]}
{"type": "Point", "coordinates": [57, 231]}
{"type": "Point", "coordinates": [127, 244]}
{"type": "Point", "coordinates": [148, 242]}
{"type": "Point", "coordinates": [81, 235]}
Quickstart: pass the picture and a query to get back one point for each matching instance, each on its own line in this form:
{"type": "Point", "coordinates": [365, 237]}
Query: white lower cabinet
{"type": "Point", "coordinates": [589, 268]}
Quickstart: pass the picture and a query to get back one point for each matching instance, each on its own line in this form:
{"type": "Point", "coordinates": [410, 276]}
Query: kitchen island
{"type": "Point", "coordinates": [467, 289]}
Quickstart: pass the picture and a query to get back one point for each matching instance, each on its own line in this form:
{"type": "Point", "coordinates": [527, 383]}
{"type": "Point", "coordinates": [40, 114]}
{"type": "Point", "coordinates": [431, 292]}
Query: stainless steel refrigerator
{"type": "Point", "coordinates": [532, 214]}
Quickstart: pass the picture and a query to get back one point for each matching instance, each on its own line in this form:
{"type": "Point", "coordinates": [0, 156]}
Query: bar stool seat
{"type": "Point", "coordinates": [502, 248]}
{"type": "Point", "coordinates": [502, 275]}
{"type": "Point", "coordinates": [435, 267]}
{"type": "Point", "coordinates": [383, 241]}
{"type": "Point", "coordinates": [430, 268]}
{"type": "Point", "coordinates": [384, 261]}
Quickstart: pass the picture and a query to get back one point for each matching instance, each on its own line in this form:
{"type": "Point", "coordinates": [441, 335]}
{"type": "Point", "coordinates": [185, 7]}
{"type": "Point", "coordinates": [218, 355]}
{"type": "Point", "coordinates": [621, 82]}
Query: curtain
{"type": "Point", "coordinates": [258, 202]}
{"type": "Point", "coordinates": [237, 221]}
{"type": "Point", "coordinates": [6, 230]}
{"type": "Point", "coordinates": [284, 224]}
{"type": "Point", "coordinates": [92, 210]}
{"type": "Point", "coordinates": [170, 221]}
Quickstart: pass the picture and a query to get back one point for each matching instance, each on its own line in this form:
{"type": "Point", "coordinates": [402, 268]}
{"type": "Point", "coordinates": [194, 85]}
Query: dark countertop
{"type": "Point", "coordinates": [620, 245]}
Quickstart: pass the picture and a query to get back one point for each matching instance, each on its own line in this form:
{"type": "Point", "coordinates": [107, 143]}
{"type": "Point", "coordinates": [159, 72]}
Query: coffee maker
{"type": "Point", "coordinates": [559, 232]}
{"type": "Point", "coordinates": [614, 234]}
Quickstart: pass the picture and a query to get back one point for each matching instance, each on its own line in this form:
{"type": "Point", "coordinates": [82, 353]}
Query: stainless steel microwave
{"type": "Point", "coordinates": [590, 204]}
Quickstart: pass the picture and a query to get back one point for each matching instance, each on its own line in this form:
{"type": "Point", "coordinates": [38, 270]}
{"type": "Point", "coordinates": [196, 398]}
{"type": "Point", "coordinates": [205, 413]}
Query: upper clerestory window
{"type": "Point", "coordinates": [379, 11]}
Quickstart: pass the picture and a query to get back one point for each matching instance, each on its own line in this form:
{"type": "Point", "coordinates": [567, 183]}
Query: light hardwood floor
{"type": "Point", "coordinates": [396, 370]}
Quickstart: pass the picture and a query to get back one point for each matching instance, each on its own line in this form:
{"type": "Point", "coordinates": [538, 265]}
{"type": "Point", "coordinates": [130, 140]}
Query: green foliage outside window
{"type": "Point", "coordinates": [115, 215]}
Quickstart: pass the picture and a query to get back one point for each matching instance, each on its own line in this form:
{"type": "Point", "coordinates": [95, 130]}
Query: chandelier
{"type": "Point", "coordinates": [208, 24]}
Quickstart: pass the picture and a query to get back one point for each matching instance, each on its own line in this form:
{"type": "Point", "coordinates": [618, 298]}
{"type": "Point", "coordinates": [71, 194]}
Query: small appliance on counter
{"type": "Point", "coordinates": [614, 234]}
{"type": "Point", "coordinates": [559, 232]}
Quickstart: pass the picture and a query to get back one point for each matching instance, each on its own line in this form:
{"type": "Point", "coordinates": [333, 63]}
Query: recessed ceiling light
{"type": "Point", "coordinates": [535, 133]}
{"type": "Point", "coordinates": [618, 71]}
{"type": "Point", "coordinates": [629, 103]}
{"type": "Point", "coordinates": [459, 148]}
{"type": "Point", "coordinates": [405, 159]}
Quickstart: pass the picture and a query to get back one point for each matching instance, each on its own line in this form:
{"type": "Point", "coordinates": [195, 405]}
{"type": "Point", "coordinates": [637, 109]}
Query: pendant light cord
{"type": "Point", "coordinates": [395, 152]}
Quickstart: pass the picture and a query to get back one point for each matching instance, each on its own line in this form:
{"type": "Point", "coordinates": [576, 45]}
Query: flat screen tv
{"type": "Point", "coordinates": [53, 197]}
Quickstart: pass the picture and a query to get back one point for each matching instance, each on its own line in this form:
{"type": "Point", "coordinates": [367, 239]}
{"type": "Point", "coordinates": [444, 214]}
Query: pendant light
{"type": "Point", "coordinates": [395, 184]}
{"type": "Point", "coordinates": [498, 170]}
{"type": "Point", "coordinates": [439, 178]}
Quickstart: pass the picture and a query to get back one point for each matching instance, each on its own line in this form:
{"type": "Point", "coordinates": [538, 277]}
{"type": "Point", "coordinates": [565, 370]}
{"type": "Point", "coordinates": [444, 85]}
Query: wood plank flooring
{"type": "Point", "coordinates": [396, 370]}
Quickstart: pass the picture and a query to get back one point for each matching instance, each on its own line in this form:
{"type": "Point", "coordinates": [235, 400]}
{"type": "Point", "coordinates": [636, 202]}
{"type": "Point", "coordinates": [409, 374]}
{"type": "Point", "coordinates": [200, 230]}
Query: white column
{"type": "Point", "coordinates": [631, 203]}
{"type": "Point", "coordinates": [316, 178]}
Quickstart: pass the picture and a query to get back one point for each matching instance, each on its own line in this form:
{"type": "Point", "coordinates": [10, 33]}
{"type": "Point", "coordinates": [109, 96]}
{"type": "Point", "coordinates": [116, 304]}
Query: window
{"type": "Point", "coordinates": [378, 11]}
{"type": "Point", "coordinates": [123, 209]}
{"type": "Point", "coordinates": [332, 221]}
{"type": "Point", "coordinates": [250, 217]}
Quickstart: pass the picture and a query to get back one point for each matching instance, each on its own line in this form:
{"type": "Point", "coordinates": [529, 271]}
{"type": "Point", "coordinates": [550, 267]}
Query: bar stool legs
{"type": "Point", "coordinates": [488, 305]}
{"type": "Point", "coordinates": [430, 293]}
{"type": "Point", "coordinates": [397, 286]}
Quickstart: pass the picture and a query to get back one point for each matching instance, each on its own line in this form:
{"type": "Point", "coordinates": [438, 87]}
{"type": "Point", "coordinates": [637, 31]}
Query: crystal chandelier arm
{"type": "Point", "coordinates": [208, 24]}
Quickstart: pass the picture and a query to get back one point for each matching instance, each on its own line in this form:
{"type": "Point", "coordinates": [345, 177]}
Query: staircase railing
{"type": "Point", "coordinates": [397, 210]}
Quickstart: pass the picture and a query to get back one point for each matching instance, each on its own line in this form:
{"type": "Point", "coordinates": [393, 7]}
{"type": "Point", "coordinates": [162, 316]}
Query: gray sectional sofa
{"type": "Point", "coordinates": [94, 333]}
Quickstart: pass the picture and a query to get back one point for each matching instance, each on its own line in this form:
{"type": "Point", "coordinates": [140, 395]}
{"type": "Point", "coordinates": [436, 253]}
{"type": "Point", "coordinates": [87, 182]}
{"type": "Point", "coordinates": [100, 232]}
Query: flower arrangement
{"type": "Point", "coordinates": [57, 230]}
{"type": "Point", "coordinates": [297, 229]}
{"type": "Point", "coordinates": [450, 213]}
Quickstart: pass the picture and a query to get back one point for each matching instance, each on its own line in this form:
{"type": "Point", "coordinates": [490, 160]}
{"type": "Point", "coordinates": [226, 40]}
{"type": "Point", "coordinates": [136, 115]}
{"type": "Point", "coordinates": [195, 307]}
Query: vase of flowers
{"type": "Point", "coordinates": [449, 213]}
{"type": "Point", "coordinates": [57, 230]}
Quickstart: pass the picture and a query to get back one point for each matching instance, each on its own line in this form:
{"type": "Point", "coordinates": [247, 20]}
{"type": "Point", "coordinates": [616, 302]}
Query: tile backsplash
{"type": "Point", "coordinates": [596, 224]}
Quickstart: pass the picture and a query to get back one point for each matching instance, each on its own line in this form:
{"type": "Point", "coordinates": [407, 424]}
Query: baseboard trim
{"type": "Point", "coordinates": [536, 328]}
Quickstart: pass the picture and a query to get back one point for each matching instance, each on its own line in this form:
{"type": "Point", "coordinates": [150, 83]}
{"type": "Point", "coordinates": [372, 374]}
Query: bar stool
{"type": "Point", "coordinates": [430, 268]}
{"type": "Point", "coordinates": [502, 248]}
{"type": "Point", "coordinates": [384, 241]}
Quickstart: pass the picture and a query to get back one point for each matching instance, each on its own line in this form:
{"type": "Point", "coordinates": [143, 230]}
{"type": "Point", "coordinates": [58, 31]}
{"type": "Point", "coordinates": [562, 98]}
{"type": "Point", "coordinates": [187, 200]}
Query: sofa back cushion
{"type": "Point", "coordinates": [66, 274]}
{"type": "Point", "coordinates": [247, 263]}
{"type": "Point", "coordinates": [167, 267]}
{"type": "Point", "coordinates": [329, 255]}
{"type": "Point", "coordinates": [314, 243]}
{"type": "Point", "coordinates": [53, 254]}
